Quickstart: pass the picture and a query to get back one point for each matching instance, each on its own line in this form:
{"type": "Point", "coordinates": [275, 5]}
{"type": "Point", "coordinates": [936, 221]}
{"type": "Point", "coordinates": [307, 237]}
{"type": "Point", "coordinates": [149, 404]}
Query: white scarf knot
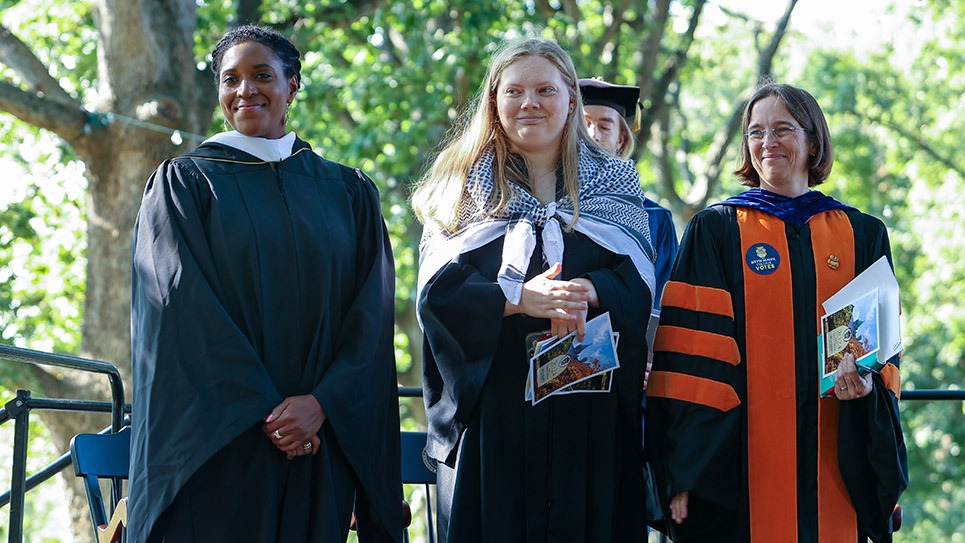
{"type": "Point", "coordinates": [611, 214]}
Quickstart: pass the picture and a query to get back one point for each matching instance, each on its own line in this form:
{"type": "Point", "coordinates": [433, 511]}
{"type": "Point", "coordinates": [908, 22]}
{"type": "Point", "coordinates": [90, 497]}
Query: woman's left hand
{"type": "Point", "coordinates": [848, 383]}
{"type": "Point", "coordinates": [297, 420]}
{"type": "Point", "coordinates": [560, 327]}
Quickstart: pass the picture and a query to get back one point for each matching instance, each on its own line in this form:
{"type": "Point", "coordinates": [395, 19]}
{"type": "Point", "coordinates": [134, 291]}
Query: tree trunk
{"type": "Point", "coordinates": [149, 86]}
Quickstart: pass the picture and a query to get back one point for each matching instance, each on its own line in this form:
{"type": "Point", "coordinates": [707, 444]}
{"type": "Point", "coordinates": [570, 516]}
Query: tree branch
{"type": "Point", "coordinates": [346, 120]}
{"type": "Point", "coordinates": [718, 148]}
{"type": "Point", "coordinates": [544, 9]}
{"type": "Point", "coordinates": [21, 59]}
{"type": "Point", "coordinates": [612, 29]}
{"type": "Point", "coordinates": [248, 12]}
{"type": "Point", "coordinates": [648, 63]}
{"type": "Point", "coordinates": [916, 139]}
{"type": "Point", "coordinates": [767, 56]}
{"type": "Point", "coordinates": [571, 10]}
{"type": "Point", "coordinates": [67, 121]}
{"type": "Point", "coordinates": [673, 66]}
{"type": "Point", "coordinates": [394, 45]}
{"type": "Point", "coordinates": [665, 168]}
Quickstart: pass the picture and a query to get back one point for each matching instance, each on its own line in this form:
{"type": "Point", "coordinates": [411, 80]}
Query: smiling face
{"type": "Point", "coordinates": [781, 163]}
{"type": "Point", "coordinates": [605, 128]}
{"type": "Point", "coordinates": [533, 103]}
{"type": "Point", "coordinates": [253, 90]}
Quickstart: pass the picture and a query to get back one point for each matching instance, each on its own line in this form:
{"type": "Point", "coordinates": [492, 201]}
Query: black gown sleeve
{"type": "Point", "coordinates": [693, 440]}
{"type": "Point", "coordinates": [871, 449]}
{"type": "Point", "coordinates": [624, 294]}
{"type": "Point", "coordinates": [198, 381]}
{"type": "Point", "coordinates": [461, 313]}
{"type": "Point", "coordinates": [359, 390]}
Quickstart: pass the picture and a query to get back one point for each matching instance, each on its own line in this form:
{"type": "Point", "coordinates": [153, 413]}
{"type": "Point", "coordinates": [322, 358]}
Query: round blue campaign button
{"type": "Point", "coordinates": [762, 259]}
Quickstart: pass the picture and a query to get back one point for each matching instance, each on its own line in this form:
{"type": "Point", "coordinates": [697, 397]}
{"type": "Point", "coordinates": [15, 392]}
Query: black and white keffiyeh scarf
{"type": "Point", "coordinates": [611, 214]}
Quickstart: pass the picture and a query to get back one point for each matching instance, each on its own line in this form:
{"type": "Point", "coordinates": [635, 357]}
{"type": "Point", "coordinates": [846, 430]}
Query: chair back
{"type": "Point", "coordinates": [100, 456]}
{"type": "Point", "coordinates": [416, 472]}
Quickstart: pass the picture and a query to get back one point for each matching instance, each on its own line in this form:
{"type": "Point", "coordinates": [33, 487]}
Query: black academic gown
{"type": "Point", "coordinates": [565, 470]}
{"type": "Point", "coordinates": [253, 282]}
{"type": "Point", "coordinates": [769, 462]}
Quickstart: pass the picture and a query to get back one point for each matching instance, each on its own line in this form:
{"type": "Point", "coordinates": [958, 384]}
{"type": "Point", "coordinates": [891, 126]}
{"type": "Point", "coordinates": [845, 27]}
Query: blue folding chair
{"type": "Point", "coordinates": [415, 471]}
{"type": "Point", "coordinates": [103, 456]}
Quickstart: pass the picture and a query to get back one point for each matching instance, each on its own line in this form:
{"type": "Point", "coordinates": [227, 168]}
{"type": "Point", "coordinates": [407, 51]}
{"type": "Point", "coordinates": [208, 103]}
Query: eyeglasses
{"type": "Point", "coordinates": [780, 132]}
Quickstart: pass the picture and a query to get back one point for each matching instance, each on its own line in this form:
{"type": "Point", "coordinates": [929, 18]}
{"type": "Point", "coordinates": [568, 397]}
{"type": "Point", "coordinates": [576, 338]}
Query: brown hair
{"type": "Point", "coordinates": [806, 111]}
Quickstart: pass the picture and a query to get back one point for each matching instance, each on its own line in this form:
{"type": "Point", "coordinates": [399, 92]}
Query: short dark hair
{"type": "Point", "coordinates": [806, 111]}
{"type": "Point", "coordinates": [286, 51]}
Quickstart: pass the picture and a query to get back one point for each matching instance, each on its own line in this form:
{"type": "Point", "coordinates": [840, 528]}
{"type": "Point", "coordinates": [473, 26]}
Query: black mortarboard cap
{"type": "Point", "coordinates": [622, 98]}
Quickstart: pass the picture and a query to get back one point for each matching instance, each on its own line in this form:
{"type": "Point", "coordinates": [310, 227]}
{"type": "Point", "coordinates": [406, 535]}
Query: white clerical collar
{"type": "Point", "coordinates": [268, 150]}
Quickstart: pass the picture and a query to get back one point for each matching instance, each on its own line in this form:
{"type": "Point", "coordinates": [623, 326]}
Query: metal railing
{"type": "Point", "coordinates": [19, 409]}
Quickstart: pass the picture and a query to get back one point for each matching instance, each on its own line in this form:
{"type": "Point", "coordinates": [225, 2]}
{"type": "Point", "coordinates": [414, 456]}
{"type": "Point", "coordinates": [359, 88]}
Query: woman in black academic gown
{"type": "Point", "coordinates": [744, 448]}
{"type": "Point", "coordinates": [530, 227]}
{"type": "Point", "coordinates": [265, 399]}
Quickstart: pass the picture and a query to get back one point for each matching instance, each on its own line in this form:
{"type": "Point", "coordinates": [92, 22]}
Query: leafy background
{"type": "Point", "coordinates": [383, 82]}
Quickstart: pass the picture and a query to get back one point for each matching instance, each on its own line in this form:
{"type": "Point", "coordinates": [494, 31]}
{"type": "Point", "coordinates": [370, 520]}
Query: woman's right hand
{"type": "Point", "coordinates": [544, 297]}
{"type": "Point", "coordinates": [678, 507]}
{"type": "Point", "coordinates": [293, 425]}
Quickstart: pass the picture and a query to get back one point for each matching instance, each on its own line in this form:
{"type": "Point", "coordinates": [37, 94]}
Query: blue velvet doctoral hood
{"type": "Point", "coordinates": [795, 211]}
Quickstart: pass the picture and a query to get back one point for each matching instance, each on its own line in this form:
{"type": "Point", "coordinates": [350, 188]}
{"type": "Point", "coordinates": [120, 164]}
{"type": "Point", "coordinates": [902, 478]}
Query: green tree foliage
{"type": "Point", "coordinates": [385, 80]}
{"type": "Point", "coordinates": [41, 283]}
{"type": "Point", "coordinates": [896, 118]}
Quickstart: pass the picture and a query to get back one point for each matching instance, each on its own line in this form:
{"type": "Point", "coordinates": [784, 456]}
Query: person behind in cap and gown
{"type": "Point", "coordinates": [612, 117]}
{"type": "Point", "coordinates": [611, 113]}
{"type": "Point", "coordinates": [531, 228]}
{"type": "Point", "coordinates": [265, 396]}
{"type": "Point", "coordinates": [740, 440]}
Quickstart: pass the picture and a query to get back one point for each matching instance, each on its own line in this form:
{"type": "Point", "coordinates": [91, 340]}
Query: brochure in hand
{"type": "Point", "coordinates": [862, 318]}
{"type": "Point", "coordinates": [557, 365]}
{"type": "Point", "coordinates": [597, 383]}
{"type": "Point", "coordinates": [851, 329]}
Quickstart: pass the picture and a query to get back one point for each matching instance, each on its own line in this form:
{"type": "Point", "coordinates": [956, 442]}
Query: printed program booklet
{"type": "Point", "coordinates": [851, 329]}
{"type": "Point", "coordinates": [597, 383]}
{"type": "Point", "coordinates": [862, 318]}
{"type": "Point", "coordinates": [558, 364]}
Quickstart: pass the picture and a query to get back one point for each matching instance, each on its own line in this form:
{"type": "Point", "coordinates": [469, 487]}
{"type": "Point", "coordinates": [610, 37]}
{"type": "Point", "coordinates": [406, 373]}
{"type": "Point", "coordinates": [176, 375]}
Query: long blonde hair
{"type": "Point", "coordinates": [440, 191]}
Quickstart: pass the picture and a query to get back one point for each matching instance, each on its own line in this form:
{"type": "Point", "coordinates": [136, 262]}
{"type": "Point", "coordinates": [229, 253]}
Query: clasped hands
{"type": "Point", "coordinates": [563, 302]}
{"type": "Point", "coordinates": [293, 425]}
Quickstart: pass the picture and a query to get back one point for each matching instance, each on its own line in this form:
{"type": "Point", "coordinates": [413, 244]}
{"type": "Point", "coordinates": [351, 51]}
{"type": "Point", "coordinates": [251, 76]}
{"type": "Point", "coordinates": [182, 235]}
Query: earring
{"type": "Point", "coordinates": [224, 124]}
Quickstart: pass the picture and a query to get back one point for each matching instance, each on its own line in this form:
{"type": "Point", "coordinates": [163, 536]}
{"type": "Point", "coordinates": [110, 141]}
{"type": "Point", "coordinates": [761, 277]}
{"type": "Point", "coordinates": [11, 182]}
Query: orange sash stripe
{"type": "Point", "coordinates": [697, 298]}
{"type": "Point", "coordinates": [831, 234]}
{"type": "Point", "coordinates": [696, 343]}
{"type": "Point", "coordinates": [689, 388]}
{"type": "Point", "coordinates": [771, 384]}
{"type": "Point", "coordinates": [892, 379]}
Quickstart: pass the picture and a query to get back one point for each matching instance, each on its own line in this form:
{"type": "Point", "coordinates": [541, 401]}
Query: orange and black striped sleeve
{"type": "Point", "coordinates": [695, 386]}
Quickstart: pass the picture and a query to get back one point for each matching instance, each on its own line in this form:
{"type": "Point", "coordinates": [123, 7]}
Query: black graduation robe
{"type": "Point", "coordinates": [734, 416]}
{"type": "Point", "coordinates": [252, 282]}
{"type": "Point", "coordinates": [565, 470]}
